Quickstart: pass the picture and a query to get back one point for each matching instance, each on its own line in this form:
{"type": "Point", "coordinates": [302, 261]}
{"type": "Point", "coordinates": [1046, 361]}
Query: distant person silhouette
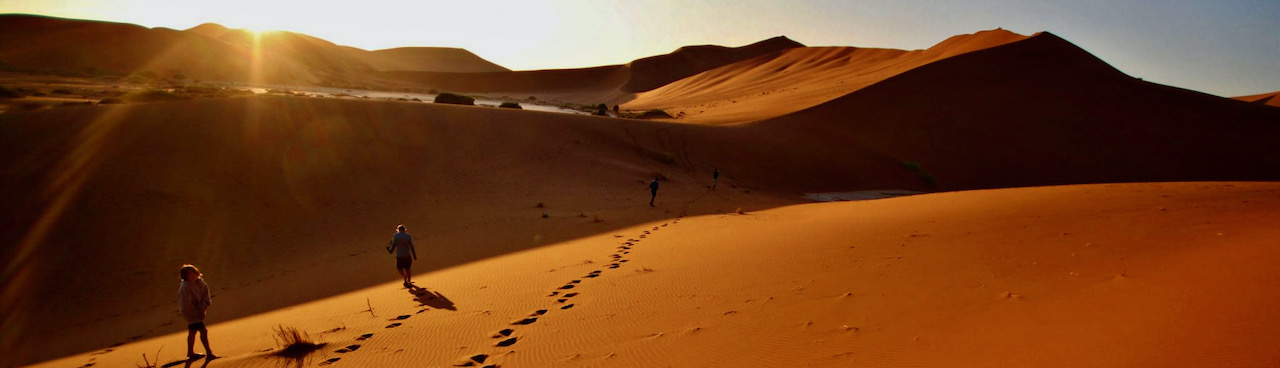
{"type": "Point", "coordinates": [402, 246]}
{"type": "Point", "coordinates": [715, 178]}
{"type": "Point", "coordinates": [653, 191]}
{"type": "Point", "coordinates": [193, 301]}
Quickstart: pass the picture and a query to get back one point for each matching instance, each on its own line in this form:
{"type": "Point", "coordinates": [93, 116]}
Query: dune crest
{"type": "Point", "coordinates": [1268, 99]}
{"type": "Point", "coordinates": [797, 78]}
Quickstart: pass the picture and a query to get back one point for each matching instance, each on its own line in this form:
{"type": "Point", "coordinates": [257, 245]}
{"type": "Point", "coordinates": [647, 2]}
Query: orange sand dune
{"type": "Point", "coordinates": [1268, 99]}
{"type": "Point", "coordinates": [1040, 111]}
{"type": "Point", "coordinates": [438, 59]}
{"type": "Point", "coordinates": [1123, 275]}
{"type": "Point", "coordinates": [275, 191]}
{"type": "Point", "coordinates": [796, 79]}
{"type": "Point", "coordinates": [605, 84]}
{"type": "Point", "coordinates": [207, 52]}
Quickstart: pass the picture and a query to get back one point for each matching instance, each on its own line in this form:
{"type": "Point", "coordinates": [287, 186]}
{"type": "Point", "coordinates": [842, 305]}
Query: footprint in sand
{"type": "Point", "coordinates": [538, 313]}
{"type": "Point", "coordinates": [524, 321]}
{"type": "Point", "coordinates": [622, 260]}
{"type": "Point", "coordinates": [615, 265]}
{"type": "Point", "coordinates": [393, 325]}
{"type": "Point", "coordinates": [567, 306]}
{"type": "Point", "coordinates": [507, 342]}
{"type": "Point", "coordinates": [472, 360]}
{"type": "Point", "coordinates": [554, 293]}
{"type": "Point", "coordinates": [569, 286]}
{"type": "Point", "coordinates": [401, 317]}
{"type": "Point", "coordinates": [348, 349]}
{"type": "Point", "coordinates": [570, 295]}
{"type": "Point", "coordinates": [561, 300]}
{"type": "Point", "coordinates": [330, 361]}
{"type": "Point", "coordinates": [503, 333]}
{"type": "Point", "coordinates": [365, 336]}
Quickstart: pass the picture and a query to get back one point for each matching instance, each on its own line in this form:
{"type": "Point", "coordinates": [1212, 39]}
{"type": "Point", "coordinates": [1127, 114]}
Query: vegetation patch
{"type": "Point", "coordinates": [455, 99]}
{"type": "Point", "coordinates": [655, 114]}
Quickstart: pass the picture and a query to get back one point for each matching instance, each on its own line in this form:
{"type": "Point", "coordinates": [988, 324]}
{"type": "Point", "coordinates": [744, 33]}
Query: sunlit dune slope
{"type": "Point", "coordinates": [1042, 111]}
{"type": "Point", "coordinates": [656, 71]}
{"type": "Point", "coordinates": [1120, 275]}
{"type": "Point", "coordinates": [1268, 99]}
{"type": "Point", "coordinates": [609, 84]}
{"type": "Point", "coordinates": [796, 78]}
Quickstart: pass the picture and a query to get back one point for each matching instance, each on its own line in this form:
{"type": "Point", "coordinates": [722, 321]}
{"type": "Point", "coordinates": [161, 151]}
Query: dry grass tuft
{"type": "Point", "coordinates": [294, 343]}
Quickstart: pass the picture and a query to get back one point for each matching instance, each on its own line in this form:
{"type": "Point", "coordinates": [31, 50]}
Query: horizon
{"type": "Point", "coordinates": [1219, 48]}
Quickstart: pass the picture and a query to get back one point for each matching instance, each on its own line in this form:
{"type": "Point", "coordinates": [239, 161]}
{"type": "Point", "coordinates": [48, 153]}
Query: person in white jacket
{"type": "Point", "coordinates": [193, 301]}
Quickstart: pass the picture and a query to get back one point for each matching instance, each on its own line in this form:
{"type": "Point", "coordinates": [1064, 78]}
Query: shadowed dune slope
{"type": "Point", "coordinates": [206, 52]}
{"type": "Point", "coordinates": [438, 59]}
{"type": "Point", "coordinates": [1268, 99]}
{"type": "Point", "coordinates": [796, 78]}
{"type": "Point", "coordinates": [1043, 111]}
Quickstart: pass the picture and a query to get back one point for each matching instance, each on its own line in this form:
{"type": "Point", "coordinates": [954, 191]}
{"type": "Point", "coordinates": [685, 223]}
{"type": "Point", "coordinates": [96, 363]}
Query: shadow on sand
{"type": "Point", "coordinates": [188, 363]}
{"type": "Point", "coordinates": [433, 299]}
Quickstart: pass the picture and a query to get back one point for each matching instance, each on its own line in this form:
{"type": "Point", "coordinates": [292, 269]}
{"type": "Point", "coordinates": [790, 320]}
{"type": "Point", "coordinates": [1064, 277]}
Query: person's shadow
{"type": "Point", "coordinates": [189, 363]}
{"type": "Point", "coordinates": [433, 299]}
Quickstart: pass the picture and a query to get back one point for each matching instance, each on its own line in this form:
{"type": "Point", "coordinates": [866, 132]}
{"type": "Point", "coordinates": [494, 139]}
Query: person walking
{"type": "Point", "coordinates": [715, 178]}
{"type": "Point", "coordinates": [402, 246]}
{"type": "Point", "coordinates": [653, 191]}
{"type": "Point", "coordinates": [193, 301]}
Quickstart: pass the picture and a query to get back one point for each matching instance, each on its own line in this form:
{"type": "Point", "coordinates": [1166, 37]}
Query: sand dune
{"type": "Point", "coordinates": [540, 249]}
{"type": "Point", "coordinates": [428, 59]}
{"type": "Point", "coordinates": [796, 78]}
{"type": "Point", "coordinates": [1268, 99]}
{"type": "Point", "coordinates": [207, 52]}
{"type": "Point", "coordinates": [1043, 111]}
{"type": "Point", "coordinates": [1127, 275]}
{"type": "Point", "coordinates": [610, 84]}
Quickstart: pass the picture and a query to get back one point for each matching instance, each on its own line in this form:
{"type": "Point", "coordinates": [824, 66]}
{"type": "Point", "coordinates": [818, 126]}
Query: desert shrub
{"type": "Point", "coordinates": [294, 343]}
{"type": "Point", "coordinates": [9, 93]}
{"type": "Point", "coordinates": [533, 98]}
{"type": "Point", "coordinates": [655, 114]}
{"type": "Point", "coordinates": [456, 99]}
{"type": "Point", "coordinates": [511, 105]}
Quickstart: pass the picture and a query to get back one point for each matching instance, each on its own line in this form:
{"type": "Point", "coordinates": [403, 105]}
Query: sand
{"type": "Point", "coordinates": [796, 79]}
{"type": "Point", "coordinates": [1268, 99]}
{"type": "Point", "coordinates": [1172, 274]}
{"type": "Point", "coordinates": [539, 247]}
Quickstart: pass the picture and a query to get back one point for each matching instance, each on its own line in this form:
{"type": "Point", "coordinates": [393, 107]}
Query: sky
{"type": "Point", "coordinates": [1223, 47]}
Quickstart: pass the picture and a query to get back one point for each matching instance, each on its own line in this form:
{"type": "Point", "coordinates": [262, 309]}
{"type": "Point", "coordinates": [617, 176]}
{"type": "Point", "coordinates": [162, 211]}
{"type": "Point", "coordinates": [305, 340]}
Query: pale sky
{"type": "Point", "coordinates": [1224, 47]}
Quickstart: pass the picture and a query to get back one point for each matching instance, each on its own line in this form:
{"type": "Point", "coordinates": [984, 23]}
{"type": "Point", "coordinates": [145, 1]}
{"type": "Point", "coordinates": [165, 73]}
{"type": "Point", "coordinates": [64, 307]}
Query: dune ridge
{"type": "Point", "coordinates": [1268, 99]}
{"type": "Point", "coordinates": [797, 78]}
{"type": "Point", "coordinates": [208, 52]}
